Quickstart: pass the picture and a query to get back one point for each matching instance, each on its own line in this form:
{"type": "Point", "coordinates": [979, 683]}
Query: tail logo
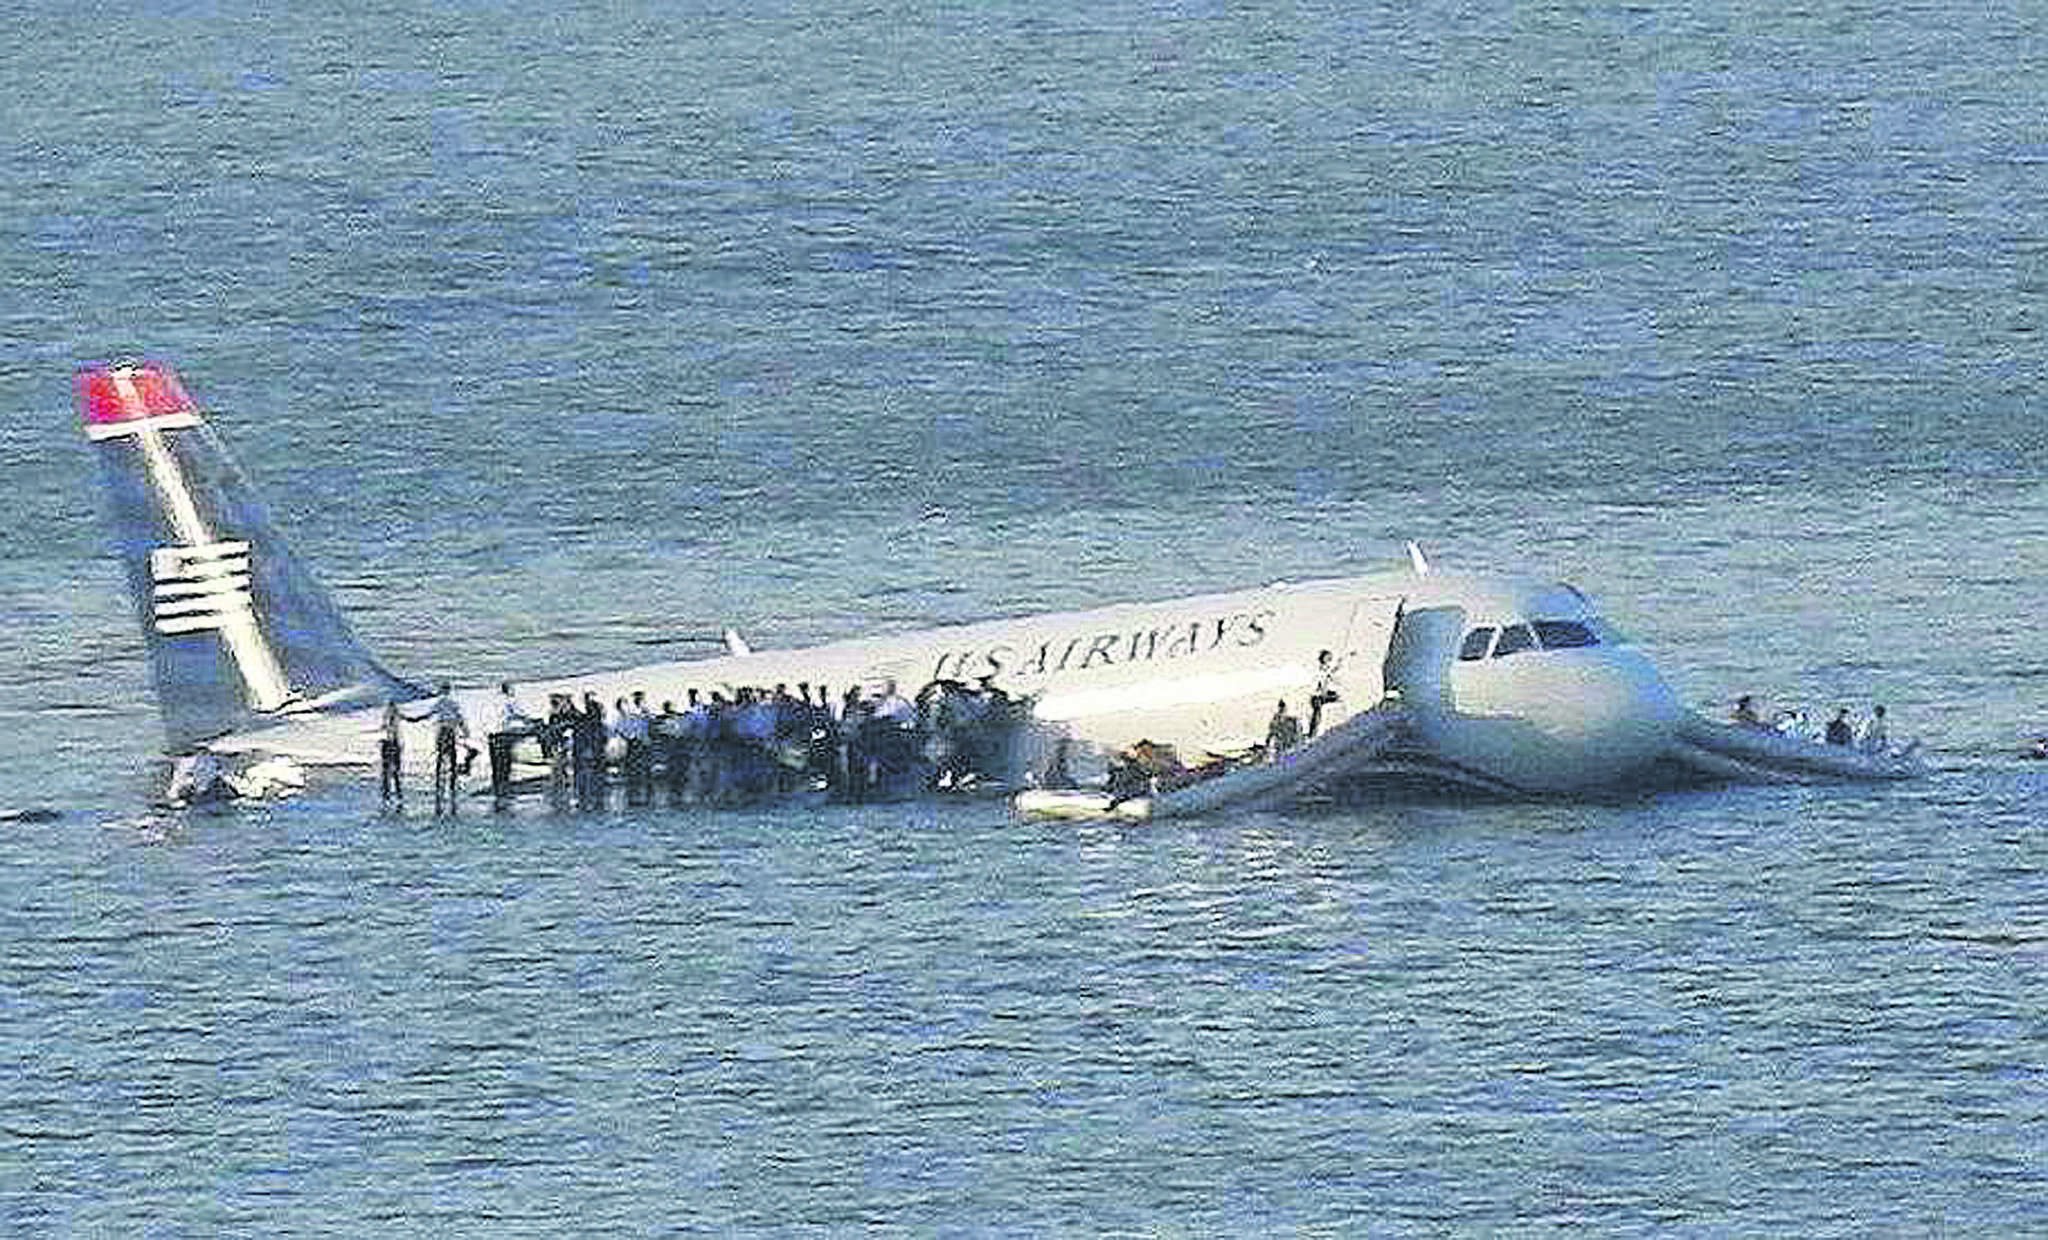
{"type": "Point", "coordinates": [200, 588]}
{"type": "Point", "coordinates": [217, 591]}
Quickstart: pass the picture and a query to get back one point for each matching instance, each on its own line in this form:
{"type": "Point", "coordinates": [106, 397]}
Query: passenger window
{"type": "Point", "coordinates": [1475, 645]}
{"type": "Point", "coordinates": [1514, 639]}
{"type": "Point", "coordinates": [1564, 634]}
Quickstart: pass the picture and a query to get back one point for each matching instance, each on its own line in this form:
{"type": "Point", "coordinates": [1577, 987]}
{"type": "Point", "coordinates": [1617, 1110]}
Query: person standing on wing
{"type": "Point", "coordinates": [513, 723]}
{"type": "Point", "coordinates": [391, 757]}
{"type": "Point", "coordinates": [1283, 732]}
{"type": "Point", "coordinates": [1325, 691]}
{"type": "Point", "coordinates": [450, 730]}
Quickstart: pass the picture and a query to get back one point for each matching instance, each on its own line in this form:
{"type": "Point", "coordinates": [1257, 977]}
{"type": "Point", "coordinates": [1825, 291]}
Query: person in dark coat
{"type": "Point", "coordinates": [588, 756]}
{"type": "Point", "coordinates": [558, 739]}
{"type": "Point", "coordinates": [1840, 730]}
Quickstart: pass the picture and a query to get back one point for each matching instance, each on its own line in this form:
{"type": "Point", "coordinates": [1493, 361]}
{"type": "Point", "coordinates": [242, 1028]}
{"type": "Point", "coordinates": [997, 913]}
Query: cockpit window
{"type": "Point", "coordinates": [1514, 639]}
{"type": "Point", "coordinates": [1476, 643]}
{"type": "Point", "coordinates": [1564, 634]}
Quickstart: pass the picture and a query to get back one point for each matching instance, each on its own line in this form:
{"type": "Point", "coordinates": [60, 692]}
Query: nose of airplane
{"type": "Point", "coordinates": [1624, 714]}
{"type": "Point", "coordinates": [1563, 721]}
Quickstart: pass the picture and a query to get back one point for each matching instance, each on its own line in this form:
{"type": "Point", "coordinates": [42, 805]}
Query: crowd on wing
{"type": "Point", "coordinates": [725, 747]}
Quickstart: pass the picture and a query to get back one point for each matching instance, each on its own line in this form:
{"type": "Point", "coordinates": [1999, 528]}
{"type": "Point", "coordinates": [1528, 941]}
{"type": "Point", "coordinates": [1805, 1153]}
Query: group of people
{"type": "Point", "coordinates": [1284, 730]}
{"type": "Point", "coordinates": [1872, 737]}
{"type": "Point", "coordinates": [757, 745]}
{"type": "Point", "coordinates": [1148, 767]}
{"type": "Point", "coordinates": [453, 754]}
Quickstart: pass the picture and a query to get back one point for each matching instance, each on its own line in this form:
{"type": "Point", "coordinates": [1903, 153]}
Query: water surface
{"type": "Point", "coordinates": [548, 331]}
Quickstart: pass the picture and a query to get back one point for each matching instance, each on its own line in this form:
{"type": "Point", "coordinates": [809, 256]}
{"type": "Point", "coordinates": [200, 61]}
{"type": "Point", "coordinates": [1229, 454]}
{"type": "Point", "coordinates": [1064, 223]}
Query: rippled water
{"type": "Point", "coordinates": [1689, 1014]}
{"type": "Point", "coordinates": [549, 332]}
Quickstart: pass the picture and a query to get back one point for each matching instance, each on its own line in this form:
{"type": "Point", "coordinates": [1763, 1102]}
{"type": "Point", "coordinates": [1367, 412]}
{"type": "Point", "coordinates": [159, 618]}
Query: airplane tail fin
{"type": "Point", "coordinates": [239, 635]}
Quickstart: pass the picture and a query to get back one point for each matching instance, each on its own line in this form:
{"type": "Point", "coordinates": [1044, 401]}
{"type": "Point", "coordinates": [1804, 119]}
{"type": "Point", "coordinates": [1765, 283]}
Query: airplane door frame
{"type": "Point", "coordinates": [1361, 680]}
{"type": "Point", "coordinates": [1419, 658]}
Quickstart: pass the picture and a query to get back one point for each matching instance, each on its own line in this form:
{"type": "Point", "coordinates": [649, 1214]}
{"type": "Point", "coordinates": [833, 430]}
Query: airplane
{"type": "Point", "coordinates": [1506, 684]}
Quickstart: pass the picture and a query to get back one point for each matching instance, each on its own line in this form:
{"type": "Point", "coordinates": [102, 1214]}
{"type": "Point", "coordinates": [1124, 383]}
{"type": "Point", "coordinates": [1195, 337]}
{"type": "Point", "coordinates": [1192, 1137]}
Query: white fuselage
{"type": "Point", "coordinates": [1204, 675]}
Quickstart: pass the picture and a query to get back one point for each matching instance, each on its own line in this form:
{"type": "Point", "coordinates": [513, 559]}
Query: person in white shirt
{"type": "Point", "coordinates": [512, 723]}
{"type": "Point", "coordinates": [1325, 691]}
{"type": "Point", "coordinates": [893, 742]}
{"type": "Point", "coordinates": [892, 707]}
{"type": "Point", "coordinates": [1875, 738]}
{"type": "Point", "coordinates": [450, 730]}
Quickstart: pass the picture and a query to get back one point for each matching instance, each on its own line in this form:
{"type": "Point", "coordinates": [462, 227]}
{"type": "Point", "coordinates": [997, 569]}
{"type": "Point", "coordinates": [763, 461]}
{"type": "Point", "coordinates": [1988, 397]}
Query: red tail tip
{"type": "Point", "coordinates": [124, 393]}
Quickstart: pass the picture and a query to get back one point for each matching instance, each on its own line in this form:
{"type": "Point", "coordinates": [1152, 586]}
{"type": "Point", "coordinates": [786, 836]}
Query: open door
{"type": "Point", "coordinates": [1418, 663]}
{"type": "Point", "coordinates": [1361, 670]}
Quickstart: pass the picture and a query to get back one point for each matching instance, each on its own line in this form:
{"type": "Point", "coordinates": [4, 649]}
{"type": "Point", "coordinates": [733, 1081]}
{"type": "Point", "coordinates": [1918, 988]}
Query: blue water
{"type": "Point", "coordinates": [549, 329]}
